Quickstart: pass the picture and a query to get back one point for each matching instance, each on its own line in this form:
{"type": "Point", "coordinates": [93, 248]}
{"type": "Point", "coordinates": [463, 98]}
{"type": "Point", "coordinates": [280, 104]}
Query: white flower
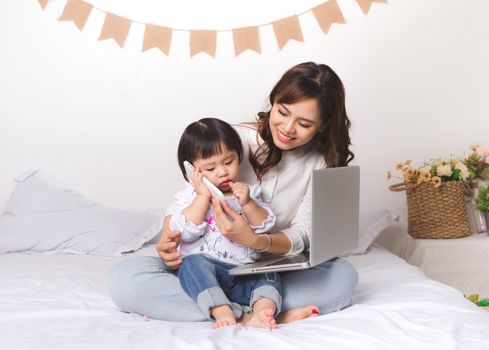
{"type": "Point", "coordinates": [464, 172]}
{"type": "Point", "coordinates": [443, 170]}
{"type": "Point", "coordinates": [474, 146]}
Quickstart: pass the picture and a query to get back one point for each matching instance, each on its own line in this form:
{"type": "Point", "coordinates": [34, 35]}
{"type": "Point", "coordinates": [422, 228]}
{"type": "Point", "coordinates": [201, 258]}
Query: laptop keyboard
{"type": "Point", "coordinates": [290, 260]}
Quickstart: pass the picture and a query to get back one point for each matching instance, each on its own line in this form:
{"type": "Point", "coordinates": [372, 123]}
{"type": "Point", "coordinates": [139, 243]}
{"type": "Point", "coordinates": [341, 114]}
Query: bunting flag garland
{"type": "Point", "coordinates": [327, 14]}
{"type": "Point", "coordinates": [205, 41]}
{"type": "Point", "coordinates": [365, 4]}
{"type": "Point", "coordinates": [287, 29]}
{"type": "Point", "coordinates": [115, 27]}
{"type": "Point", "coordinates": [246, 39]}
{"type": "Point", "coordinates": [76, 11]}
{"type": "Point", "coordinates": [43, 3]}
{"type": "Point", "coordinates": [156, 36]}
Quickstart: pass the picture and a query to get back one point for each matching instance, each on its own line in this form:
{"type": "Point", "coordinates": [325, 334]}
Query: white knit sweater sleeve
{"type": "Point", "coordinates": [299, 231]}
{"type": "Point", "coordinates": [269, 222]}
{"type": "Point", "coordinates": [190, 231]}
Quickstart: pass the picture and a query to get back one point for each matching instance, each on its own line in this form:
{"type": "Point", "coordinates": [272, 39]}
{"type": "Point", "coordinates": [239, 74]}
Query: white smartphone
{"type": "Point", "coordinates": [215, 192]}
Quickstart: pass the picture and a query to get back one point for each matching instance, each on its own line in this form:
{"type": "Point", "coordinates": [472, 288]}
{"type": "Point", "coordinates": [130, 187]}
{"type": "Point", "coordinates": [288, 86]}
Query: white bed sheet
{"type": "Point", "coordinates": [62, 302]}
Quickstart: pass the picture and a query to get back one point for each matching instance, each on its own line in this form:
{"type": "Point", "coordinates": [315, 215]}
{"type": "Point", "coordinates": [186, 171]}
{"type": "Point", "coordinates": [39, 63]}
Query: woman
{"type": "Point", "coordinates": [306, 128]}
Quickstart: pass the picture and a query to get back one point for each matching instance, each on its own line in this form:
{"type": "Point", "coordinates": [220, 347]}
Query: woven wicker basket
{"type": "Point", "coordinates": [436, 212]}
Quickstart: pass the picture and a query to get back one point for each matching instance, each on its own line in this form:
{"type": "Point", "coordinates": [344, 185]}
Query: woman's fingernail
{"type": "Point", "coordinates": [315, 311]}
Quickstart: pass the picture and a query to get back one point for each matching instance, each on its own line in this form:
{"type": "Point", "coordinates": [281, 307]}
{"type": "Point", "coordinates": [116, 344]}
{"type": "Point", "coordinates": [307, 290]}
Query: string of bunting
{"type": "Point", "coordinates": [246, 38]}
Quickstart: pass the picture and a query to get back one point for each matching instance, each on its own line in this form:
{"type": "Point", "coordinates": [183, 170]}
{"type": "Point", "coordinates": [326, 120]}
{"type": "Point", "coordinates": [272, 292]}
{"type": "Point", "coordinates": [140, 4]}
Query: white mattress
{"type": "Point", "coordinates": [61, 302]}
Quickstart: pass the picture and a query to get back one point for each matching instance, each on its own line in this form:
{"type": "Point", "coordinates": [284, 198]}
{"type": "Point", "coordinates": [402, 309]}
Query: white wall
{"type": "Point", "coordinates": [107, 120]}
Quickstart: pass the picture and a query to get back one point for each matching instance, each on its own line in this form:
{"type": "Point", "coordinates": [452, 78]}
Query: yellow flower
{"type": "Point", "coordinates": [408, 174]}
{"type": "Point", "coordinates": [407, 162]}
{"type": "Point", "coordinates": [389, 175]}
{"type": "Point", "coordinates": [436, 181]}
{"type": "Point", "coordinates": [399, 166]}
{"type": "Point", "coordinates": [424, 176]}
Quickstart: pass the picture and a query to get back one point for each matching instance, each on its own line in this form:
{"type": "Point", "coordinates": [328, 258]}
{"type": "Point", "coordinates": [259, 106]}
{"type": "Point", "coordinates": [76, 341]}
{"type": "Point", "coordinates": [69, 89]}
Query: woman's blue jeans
{"type": "Point", "coordinates": [209, 284]}
{"type": "Point", "coordinates": [145, 285]}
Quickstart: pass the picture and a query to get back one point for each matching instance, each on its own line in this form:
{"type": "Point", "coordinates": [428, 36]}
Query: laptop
{"type": "Point", "coordinates": [334, 223]}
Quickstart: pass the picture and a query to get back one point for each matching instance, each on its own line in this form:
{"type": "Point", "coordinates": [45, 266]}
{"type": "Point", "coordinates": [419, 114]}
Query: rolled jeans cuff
{"type": "Point", "coordinates": [268, 292]}
{"type": "Point", "coordinates": [213, 297]}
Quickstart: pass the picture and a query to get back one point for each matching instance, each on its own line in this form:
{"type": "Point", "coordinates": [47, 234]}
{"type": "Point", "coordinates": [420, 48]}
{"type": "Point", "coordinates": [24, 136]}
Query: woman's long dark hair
{"type": "Point", "coordinates": [299, 83]}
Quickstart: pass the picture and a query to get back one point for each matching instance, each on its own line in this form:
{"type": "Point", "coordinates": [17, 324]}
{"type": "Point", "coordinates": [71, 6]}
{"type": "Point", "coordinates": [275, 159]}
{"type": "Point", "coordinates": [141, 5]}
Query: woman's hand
{"type": "Point", "coordinates": [167, 246]}
{"type": "Point", "coordinates": [237, 229]}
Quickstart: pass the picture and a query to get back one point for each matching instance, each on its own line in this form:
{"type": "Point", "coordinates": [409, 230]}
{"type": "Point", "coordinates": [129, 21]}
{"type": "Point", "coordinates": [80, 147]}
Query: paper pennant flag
{"type": "Point", "coordinates": [246, 38]}
{"type": "Point", "coordinates": [365, 4]}
{"type": "Point", "coordinates": [203, 41]}
{"type": "Point", "coordinates": [76, 11]}
{"type": "Point", "coordinates": [156, 36]}
{"type": "Point", "coordinates": [327, 14]}
{"type": "Point", "coordinates": [43, 3]}
{"type": "Point", "coordinates": [287, 29]}
{"type": "Point", "coordinates": [115, 27]}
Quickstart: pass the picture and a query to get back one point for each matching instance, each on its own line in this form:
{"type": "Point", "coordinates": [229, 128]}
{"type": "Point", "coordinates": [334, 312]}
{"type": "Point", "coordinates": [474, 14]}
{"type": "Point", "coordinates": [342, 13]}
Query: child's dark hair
{"type": "Point", "coordinates": [206, 138]}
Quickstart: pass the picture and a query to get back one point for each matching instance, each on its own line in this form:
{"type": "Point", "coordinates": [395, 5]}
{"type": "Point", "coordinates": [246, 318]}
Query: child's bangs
{"type": "Point", "coordinates": [207, 149]}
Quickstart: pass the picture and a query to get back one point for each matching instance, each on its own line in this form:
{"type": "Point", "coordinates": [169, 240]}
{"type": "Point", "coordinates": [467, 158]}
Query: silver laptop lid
{"type": "Point", "coordinates": [335, 212]}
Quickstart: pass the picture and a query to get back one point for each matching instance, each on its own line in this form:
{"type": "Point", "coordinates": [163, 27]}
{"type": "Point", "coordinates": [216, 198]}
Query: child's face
{"type": "Point", "coordinates": [220, 169]}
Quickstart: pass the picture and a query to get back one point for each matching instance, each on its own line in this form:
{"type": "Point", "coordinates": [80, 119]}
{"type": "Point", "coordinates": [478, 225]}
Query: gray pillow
{"type": "Point", "coordinates": [43, 217]}
{"type": "Point", "coordinates": [371, 224]}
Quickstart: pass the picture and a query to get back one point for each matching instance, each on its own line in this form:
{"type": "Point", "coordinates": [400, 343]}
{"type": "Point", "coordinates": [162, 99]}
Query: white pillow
{"type": "Point", "coordinates": [371, 224]}
{"type": "Point", "coordinates": [41, 217]}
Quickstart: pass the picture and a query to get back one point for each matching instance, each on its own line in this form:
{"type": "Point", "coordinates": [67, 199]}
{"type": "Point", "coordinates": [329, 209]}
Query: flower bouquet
{"type": "Point", "coordinates": [482, 204]}
{"type": "Point", "coordinates": [478, 163]}
{"type": "Point", "coordinates": [435, 197]}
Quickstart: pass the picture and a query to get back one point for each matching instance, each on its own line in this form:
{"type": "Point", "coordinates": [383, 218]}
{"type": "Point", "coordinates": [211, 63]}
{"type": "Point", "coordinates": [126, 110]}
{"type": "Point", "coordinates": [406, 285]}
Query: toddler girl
{"type": "Point", "coordinates": [215, 150]}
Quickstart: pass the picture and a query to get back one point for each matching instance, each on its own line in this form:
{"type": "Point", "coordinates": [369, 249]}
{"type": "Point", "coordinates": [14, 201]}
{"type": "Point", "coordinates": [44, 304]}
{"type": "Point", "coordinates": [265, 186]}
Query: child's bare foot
{"type": "Point", "coordinates": [298, 314]}
{"type": "Point", "coordinates": [224, 316]}
{"type": "Point", "coordinates": [223, 322]}
{"type": "Point", "coordinates": [262, 319]}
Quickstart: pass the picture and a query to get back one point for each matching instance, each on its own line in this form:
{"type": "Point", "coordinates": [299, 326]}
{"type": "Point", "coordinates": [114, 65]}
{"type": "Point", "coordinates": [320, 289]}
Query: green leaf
{"type": "Point", "coordinates": [483, 302]}
{"type": "Point", "coordinates": [482, 200]}
{"type": "Point", "coordinates": [485, 174]}
{"type": "Point", "coordinates": [456, 174]}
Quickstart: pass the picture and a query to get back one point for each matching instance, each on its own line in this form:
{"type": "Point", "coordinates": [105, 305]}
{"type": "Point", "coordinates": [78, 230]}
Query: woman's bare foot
{"type": "Point", "coordinates": [298, 314]}
{"type": "Point", "coordinates": [262, 319]}
{"type": "Point", "coordinates": [223, 315]}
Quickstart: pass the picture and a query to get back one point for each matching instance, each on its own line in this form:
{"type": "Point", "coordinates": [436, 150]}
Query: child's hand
{"type": "Point", "coordinates": [241, 191]}
{"type": "Point", "coordinates": [198, 184]}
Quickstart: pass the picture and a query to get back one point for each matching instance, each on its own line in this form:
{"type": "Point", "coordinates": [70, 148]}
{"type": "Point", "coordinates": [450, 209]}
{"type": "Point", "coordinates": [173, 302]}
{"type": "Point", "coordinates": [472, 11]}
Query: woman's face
{"type": "Point", "coordinates": [294, 125]}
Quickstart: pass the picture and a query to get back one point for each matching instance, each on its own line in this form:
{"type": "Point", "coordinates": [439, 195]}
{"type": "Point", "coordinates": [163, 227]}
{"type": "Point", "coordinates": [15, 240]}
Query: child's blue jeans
{"type": "Point", "coordinates": [208, 282]}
